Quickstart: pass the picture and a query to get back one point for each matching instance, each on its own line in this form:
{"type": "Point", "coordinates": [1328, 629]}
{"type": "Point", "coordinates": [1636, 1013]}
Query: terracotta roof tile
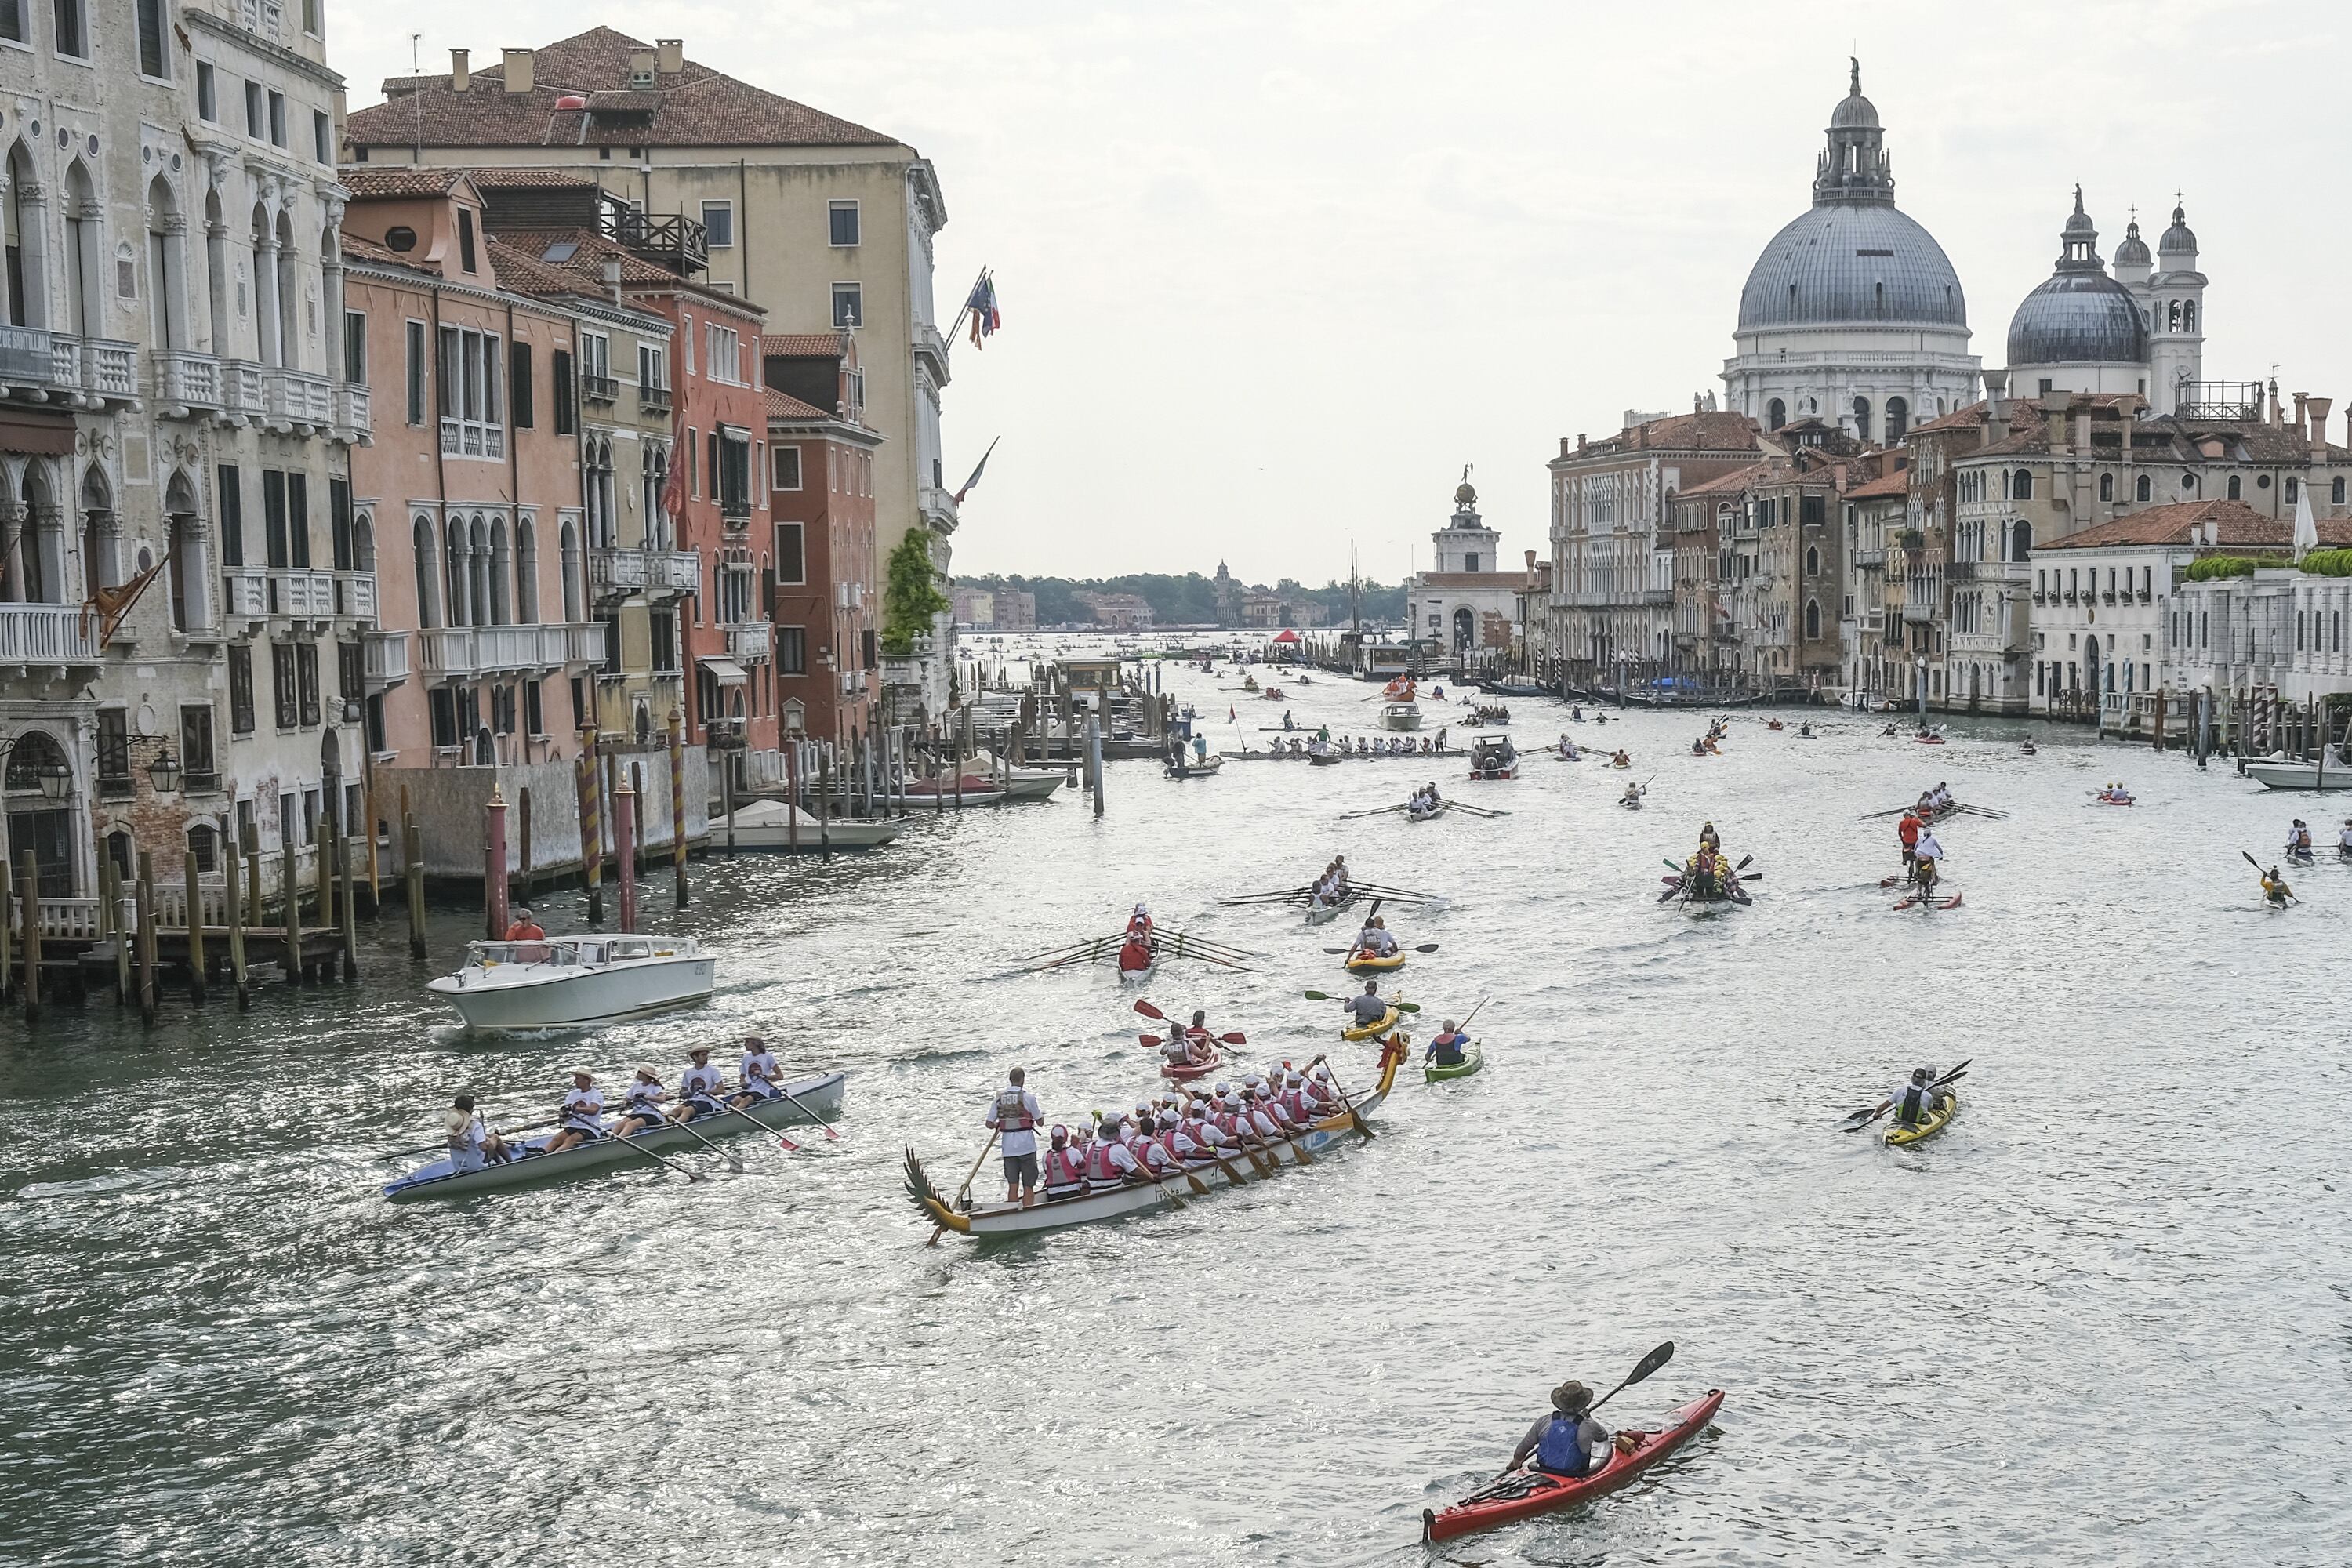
{"type": "Point", "coordinates": [784, 405]}
{"type": "Point", "coordinates": [1896, 481]}
{"type": "Point", "coordinates": [2234, 523]}
{"type": "Point", "coordinates": [698, 107]}
{"type": "Point", "coordinates": [1733, 482]}
{"type": "Point", "coordinates": [804, 345]}
{"type": "Point", "coordinates": [527, 179]}
{"type": "Point", "coordinates": [361, 249]}
{"type": "Point", "coordinates": [389, 184]}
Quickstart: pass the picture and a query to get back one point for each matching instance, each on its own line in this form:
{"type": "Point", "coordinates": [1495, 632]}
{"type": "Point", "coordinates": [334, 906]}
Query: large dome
{"type": "Point", "coordinates": [2077, 318]}
{"type": "Point", "coordinates": [1837, 264]}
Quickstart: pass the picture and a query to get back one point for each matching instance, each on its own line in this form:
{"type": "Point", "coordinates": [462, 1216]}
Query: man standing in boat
{"type": "Point", "coordinates": [1013, 1116]}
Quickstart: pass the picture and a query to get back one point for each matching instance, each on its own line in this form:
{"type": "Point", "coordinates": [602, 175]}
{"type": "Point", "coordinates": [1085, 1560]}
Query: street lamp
{"type": "Point", "coordinates": [163, 772]}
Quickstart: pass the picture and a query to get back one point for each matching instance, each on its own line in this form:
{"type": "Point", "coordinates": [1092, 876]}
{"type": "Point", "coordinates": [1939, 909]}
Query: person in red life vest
{"type": "Point", "coordinates": [1108, 1163]}
{"type": "Point", "coordinates": [1198, 1042]}
{"type": "Point", "coordinates": [522, 928]}
{"type": "Point", "coordinates": [1013, 1116]}
{"type": "Point", "coordinates": [1908, 830]}
{"type": "Point", "coordinates": [1321, 1097]}
{"type": "Point", "coordinates": [1139, 922]}
{"type": "Point", "coordinates": [1135, 952]}
{"type": "Point", "coordinates": [1197, 1128]}
{"type": "Point", "coordinates": [1065, 1168]}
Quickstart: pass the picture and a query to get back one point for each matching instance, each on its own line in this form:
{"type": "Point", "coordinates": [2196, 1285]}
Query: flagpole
{"type": "Point", "coordinates": [955, 331]}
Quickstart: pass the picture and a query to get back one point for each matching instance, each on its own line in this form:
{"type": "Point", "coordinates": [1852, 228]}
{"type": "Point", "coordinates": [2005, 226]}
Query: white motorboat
{"type": "Point", "coordinates": [569, 981]}
{"type": "Point", "coordinates": [781, 825]}
{"type": "Point", "coordinates": [822, 1095]}
{"type": "Point", "coordinates": [2279, 771]}
{"type": "Point", "coordinates": [1405, 715]}
{"type": "Point", "coordinates": [1020, 782]}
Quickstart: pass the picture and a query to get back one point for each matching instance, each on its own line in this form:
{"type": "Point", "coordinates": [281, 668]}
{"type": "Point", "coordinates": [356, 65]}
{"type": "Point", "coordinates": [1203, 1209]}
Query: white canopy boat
{"type": "Point", "coordinates": [528, 1162]}
{"type": "Point", "coordinates": [1195, 1181]}
{"type": "Point", "coordinates": [2279, 772]}
{"type": "Point", "coordinates": [1404, 715]}
{"type": "Point", "coordinates": [770, 824]}
{"type": "Point", "coordinates": [568, 982]}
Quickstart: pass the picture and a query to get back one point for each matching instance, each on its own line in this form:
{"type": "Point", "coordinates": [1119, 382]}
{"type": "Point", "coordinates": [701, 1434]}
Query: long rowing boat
{"type": "Point", "coordinates": [983, 1220]}
{"type": "Point", "coordinates": [822, 1094]}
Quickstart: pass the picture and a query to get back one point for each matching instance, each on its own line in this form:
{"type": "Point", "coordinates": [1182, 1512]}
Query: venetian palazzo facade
{"type": "Point", "coordinates": [184, 587]}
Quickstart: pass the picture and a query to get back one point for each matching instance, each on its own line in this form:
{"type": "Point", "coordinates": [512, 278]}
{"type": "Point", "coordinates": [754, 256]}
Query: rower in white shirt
{"type": "Point", "coordinates": [759, 1072]}
{"type": "Point", "coordinates": [581, 1119]}
{"type": "Point", "coordinates": [699, 1091]}
{"type": "Point", "coordinates": [471, 1145]}
{"type": "Point", "coordinates": [1108, 1164]}
{"type": "Point", "coordinates": [641, 1107]}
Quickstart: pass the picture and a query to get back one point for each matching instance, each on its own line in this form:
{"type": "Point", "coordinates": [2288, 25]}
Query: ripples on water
{"type": "Point", "coordinates": [2104, 1319]}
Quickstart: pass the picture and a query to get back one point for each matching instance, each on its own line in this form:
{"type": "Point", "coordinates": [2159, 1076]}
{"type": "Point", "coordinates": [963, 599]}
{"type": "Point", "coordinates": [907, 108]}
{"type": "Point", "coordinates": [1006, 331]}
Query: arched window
{"type": "Point", "coordinates": [2140, 488]}
{"type": "Point", "coordinates": [2020, 541]}
{"type": "Point", "coordinates": [526, 572]}
{"type": "Point", "coordinates": [2189, 483]}
{"type": "Point", "coordinates": [428, 604]}
{"type": "Point", "coordinates": [478, 598]}
{"type": "Point", "coordinates": [460, 576]}
{"type": "Point", "coordinates": [568, 549]}
{"type": "Point", "coordinates": [2233, 487]}
{"type": "Point", "coordinates": [187, 570]}
{"type": "Point", "coordinates": [26, 224]}
{"type": "Point", "coordinates": [265, 289]}
{"type": "Point", "coordinates": [1776, 413]}
{"type": "Point", "coordinates": [165, 230]}
{"type": "Point", "coordinates": [217, 271]}
{"type": "Point", "coordinates": [1813, 561]}
{"type": "Point", "coordinates": [2107, 486]}
{"type": "Point", "coordinates": [1899, 419]}
{"type": "Point", "coordinates": [101, 555]}
{"type": "Point", "coordinates": [34, 753]}
{"type": "Point", "coordinates": [362, 543]}
{"type": "Point", "coordinates": [501, 575]}
{"type": "Point", "coordinates": [2024, 484]}
{"type": "Point", "coordinates": [289, 289]}
{"type": "Point", "coordinates": [1813, 621]}
{"type": "Point", "coordinates": [85, 254]}
{"type": "Point", "coordinates": [1862, 417]}
{"type": "Point", "coordinates": [2189, 316]}
{"type": "Point", "coordinates": [203, 841]}
{"type": "Point", "coordinates": [2172, 317]}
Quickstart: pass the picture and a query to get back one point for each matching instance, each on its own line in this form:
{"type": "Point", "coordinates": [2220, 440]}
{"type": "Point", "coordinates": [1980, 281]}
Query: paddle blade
{"type": "Point", "coordinates": [1319, 997]}
{"type": "Point", "coordinates": [786, 1144]}
{"type": "Point", "coordinates": [1671, 866]}
{"type": "Point", "coordinates": [1670, 892]}
{"type": "Point", "coordinates": [1408, 1006]}
{"type": "Point", "coordinates": [1149, 1011]}
{"type": "Point", "coordinates": [1235, 1038]}
{"type": "Point", "coordinates": [1152, 1040]}
{"type": "Point", "coordinates": [1426, 947]}
{"type": "Point", "coordinates": [1743, 862]}
{"type": "Point", "coordinates": [1651, 1363]}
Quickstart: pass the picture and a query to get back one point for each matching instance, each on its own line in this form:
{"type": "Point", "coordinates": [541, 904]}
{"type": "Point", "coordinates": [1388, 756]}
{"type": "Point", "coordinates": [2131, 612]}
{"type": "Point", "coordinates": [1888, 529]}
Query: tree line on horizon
{"type": "Point", "coordinates": [1191, 599]}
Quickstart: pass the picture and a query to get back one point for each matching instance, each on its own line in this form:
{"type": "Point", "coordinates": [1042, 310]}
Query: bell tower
{"type": "Point", "coordinates": [2176, 327]}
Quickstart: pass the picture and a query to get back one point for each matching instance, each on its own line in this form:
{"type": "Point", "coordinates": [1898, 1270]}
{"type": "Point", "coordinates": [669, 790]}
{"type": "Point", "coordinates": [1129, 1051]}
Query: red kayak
{"type": "Point", "coordinates": [1526, 1493]}
{"type": "Point", "coordinates": [1185, 1072]}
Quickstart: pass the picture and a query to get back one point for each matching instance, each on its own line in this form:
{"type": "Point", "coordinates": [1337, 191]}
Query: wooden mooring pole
{"type": "Point", "coordinates": [146, 906]}
{"type": "Point", "coordinates": [677, 796]}
{"type": "Point", "coordinates": [195, 891]}
{"type": "Point", "coordinates": [235, 900]}
{"type": "Point", "coordinates": [412, 861]}
{"type": "Point", "coordinates": [624, 827]}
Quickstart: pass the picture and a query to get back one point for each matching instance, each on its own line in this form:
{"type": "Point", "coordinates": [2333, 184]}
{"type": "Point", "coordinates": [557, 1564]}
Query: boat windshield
{"type": "Point", "coordinates": [563, 954]}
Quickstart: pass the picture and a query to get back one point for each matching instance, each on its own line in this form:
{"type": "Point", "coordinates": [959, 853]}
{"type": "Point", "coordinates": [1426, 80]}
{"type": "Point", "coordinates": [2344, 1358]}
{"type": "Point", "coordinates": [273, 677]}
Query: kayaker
{"type": "Point", "coordinates": [1065, 1168]}
{"type": "Point", "coordinates": [523, 928]}
{"type": "Point", "coordinates": [1708, 838]}
{"type": "Point", "coordinates": [756, 1072]}
{"type": "Point", "coordinates": [1375, 940]}
{"type": "Point", "coordinates": [1568, 1441]}
{"type": "Point", "coordinates": [471, 1145]}
{"type": "Point", "coordinates": [1446, 1046]}
{"type": "Point", "coordinates": [698, 1090]}
{"type": "Point", "coordinates": [2344, 839]}
{"type": "Point", "coordinates": [1915, 1101]}
{"type": "Point", "coordinates": [580, 1119]}
{"type": "Point", "coordinates": [1909, 831]}
{"type": "Point", "coordinates": [2298, 839]}
{"type": "Point", "coordinates": [1366, 1006]}
{"type": "Point", "coordinates": [641, 1105]}
{"type": "Point", "coordinates": [2274, 888]}
{"type": "Point", "coordinates": [1198, 1040]}
{"type": "Point", "coordinates": [1013, 1115]}
{"type": "Point", "coordinates": [1633, 796]}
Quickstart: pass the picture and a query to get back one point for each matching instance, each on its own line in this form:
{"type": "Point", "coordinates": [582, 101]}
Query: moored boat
{"type": "Point", "coordinates": [569, 981]}
{"type": "Point", "coordinates": [1198, 1180]}
{"type": "Point", "coordinates": [820, 1094]}
{"type": "Point", "coordinates": [1194, 767]}
{"type": "Point", "coordinates": [776, 825]}
{"type": "Point", "coordinates": [1524, 1494]}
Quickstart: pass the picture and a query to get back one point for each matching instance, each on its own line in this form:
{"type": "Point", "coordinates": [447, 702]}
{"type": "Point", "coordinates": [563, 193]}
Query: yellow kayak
{"type": "Point", "coordinates": [1937, 1120]}
{"type": "Point", "coordinates": [1368, 1031]}
{"type": "Point", "coordinates": [1357, 963]}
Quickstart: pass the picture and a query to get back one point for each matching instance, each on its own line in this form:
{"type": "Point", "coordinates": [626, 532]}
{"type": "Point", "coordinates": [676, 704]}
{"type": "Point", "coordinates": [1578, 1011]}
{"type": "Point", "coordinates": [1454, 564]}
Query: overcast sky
{"type": "Point", "coordinates": [1272, 273]}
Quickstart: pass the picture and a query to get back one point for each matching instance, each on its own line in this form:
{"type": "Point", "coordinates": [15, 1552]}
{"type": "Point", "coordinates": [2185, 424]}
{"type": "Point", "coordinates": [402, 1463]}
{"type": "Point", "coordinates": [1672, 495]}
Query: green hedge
{"type": "Point", "coordinates": [2329, 563]}
{"type": "Point", "coordinates": [2206, 568]}
{"type": "Point", "coordinates": [910, 595]}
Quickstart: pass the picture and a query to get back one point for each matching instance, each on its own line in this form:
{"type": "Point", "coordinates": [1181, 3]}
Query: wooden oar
{"type": "Point", "coordinates": [789, 1146]}
{"type": "Point", "coordinates": [1353, 1114]}
{"type": "Point", "coordinates": [1383, 811]}
{"type": "Point", "coordinates": [443, 1147]}
{"type": "Point", "coordinates": [631, 1142]}
{"type": "Point", "coordinates": [733, 1163]}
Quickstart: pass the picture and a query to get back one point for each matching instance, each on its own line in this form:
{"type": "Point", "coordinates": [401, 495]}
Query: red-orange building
{"type": "Point", "coordinates": [824, 597]}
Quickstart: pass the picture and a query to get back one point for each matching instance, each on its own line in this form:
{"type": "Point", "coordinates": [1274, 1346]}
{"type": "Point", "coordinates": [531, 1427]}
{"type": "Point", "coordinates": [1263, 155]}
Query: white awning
{"type": "Point", "coordinates": [725, 671]}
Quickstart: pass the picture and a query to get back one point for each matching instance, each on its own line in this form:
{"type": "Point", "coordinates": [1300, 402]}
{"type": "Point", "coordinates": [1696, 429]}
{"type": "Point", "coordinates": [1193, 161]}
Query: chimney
{"type": "Point", "coordinates": [671, 55]}
{"type": "Point", "coordinates": [641, 66]}
{"type": "Point", "coordinates": [613, 276]}
{"type": "Point", "coordinates": [2318, 427]}
{"type": "Point", "coordinates": [518, 70]}
{"type": "Point", "coordinates": [1996, 405]}
{"type": "Point", "coordinates": [460, 73]}
{"type": "Point", "coordinates": [2081, 408]}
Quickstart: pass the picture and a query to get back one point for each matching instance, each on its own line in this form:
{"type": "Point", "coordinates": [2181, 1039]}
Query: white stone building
{"type": "Point", "coordinates": [1852, 314]}
{"type": "Point", "coordinates": [177, 560]}
{"type": "Point", "coordinates": [1468, 602]}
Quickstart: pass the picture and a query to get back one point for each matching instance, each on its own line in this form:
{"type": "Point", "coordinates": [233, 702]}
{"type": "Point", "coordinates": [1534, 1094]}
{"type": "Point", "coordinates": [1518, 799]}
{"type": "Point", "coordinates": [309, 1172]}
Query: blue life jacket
{"type": "Point", "coordinates": [1561, 1451]}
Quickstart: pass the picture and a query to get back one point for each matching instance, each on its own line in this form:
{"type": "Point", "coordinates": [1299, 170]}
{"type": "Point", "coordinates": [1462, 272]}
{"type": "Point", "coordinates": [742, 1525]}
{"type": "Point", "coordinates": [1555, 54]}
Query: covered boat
{"type": "Point", "coordinates": [1255, 1164]}
{"type": "Point", "coordinates": [2280, 772]}
{"type": "Point", "coordinates": [820, 1094]}
{"type": "Point", "coordinates": [569, 981]}
{"type": "Point", "coordinates": [776, 825]}
{"type": "Point", "coordinates": [1404, 715]}
{"type": "Point", "coordinates": [1494, 757]}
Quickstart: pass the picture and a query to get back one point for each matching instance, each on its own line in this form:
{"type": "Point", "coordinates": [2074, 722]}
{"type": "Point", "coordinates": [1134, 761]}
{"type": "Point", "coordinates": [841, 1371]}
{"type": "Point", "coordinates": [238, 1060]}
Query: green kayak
{"type": "Point", "coordinates": [1472, 1058]}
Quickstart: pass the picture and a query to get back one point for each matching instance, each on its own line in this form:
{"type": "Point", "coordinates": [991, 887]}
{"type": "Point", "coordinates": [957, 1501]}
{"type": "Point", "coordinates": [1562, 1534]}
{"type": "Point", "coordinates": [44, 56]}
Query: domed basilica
{"type": "Point", "coordinates": [1852, 314]}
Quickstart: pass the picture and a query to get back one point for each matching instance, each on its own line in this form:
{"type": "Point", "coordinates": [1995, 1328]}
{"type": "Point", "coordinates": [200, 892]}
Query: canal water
{"type": "Point", "coordinates": [2107, 1318]}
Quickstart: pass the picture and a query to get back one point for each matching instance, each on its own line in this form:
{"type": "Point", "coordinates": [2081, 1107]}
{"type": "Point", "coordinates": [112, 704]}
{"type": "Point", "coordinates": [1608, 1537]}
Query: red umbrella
{"type": "Point", "coordinates": [1286, 635]}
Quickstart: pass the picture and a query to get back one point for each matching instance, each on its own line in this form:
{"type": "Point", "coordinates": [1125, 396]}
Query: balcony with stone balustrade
{"type": "Point", "coordinates": [616, 573]}
{"type": "Point", "coordinates": [54, 636]}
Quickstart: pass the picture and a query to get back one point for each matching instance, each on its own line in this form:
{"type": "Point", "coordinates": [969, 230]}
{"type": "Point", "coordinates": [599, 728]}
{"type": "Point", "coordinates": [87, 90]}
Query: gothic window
{"type": "Point", "coordinates": [2141, 489]}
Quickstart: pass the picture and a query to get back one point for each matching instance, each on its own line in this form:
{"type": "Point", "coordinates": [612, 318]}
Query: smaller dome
{"type": "Point", "coordinates": [1855, 111]}
{"type": "Point", "coordinates": [2180, 238]}
{"type": "Point", "coordinates": [2133, 251]}
{"type": "Point", "coordinates": [2077, 318]}
{"type": "Point", "coordinates": [1463, 495]}
{"type": "Point", "coordinates": [2080, 222]}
